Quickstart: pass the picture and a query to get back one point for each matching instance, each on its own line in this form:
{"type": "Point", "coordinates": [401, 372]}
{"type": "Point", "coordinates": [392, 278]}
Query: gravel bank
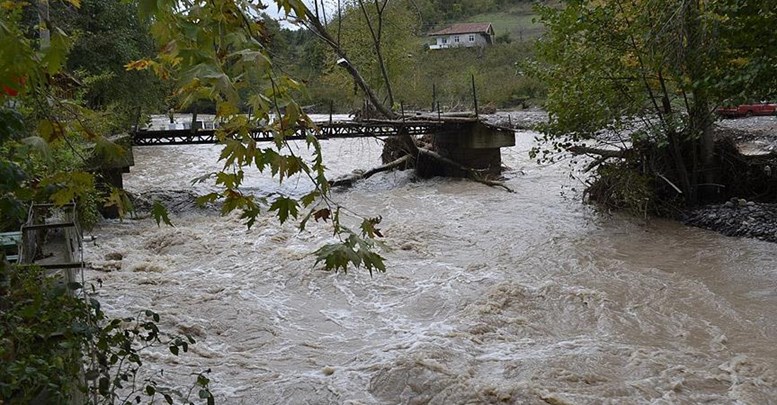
{"type": "Point", "coordinates": [737, 217]}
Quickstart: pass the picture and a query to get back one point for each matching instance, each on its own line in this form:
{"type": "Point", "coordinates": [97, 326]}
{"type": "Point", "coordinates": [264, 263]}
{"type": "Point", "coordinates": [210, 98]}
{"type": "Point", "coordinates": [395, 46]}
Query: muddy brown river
{"type": "Point", "coordinates": [490, 297]}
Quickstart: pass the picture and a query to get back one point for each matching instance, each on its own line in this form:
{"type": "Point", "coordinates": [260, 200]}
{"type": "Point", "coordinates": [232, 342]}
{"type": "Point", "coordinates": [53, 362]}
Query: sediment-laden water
{"type": "Point", "coordinates": [490, 297]}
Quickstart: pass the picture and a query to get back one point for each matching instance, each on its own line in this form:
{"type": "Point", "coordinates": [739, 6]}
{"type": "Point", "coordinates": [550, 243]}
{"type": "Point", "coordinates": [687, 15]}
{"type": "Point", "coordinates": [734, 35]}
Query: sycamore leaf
{"type": "Point", "coordinates": [285, 207]}
{"type": "Point", "coordinates": [234, 152]}
{"type": "Point", "coordinates": [372, 261]}
{"type": "Point", "coordinates": [206, 199]}
{"type": "Point", "coordinates": [69, 186]}
{"type": "Point", "coordinates": [50, 131]}
{"type": "Point", "coordinates": [229, 180]}
{"type": "Point", "coordinates": [322, 214]}
{"type": "Point", "coordinates": [334, 256]}
{"type": "Point", "coordinates": [369, 229]}
{"type": "Point", "coordinates": [119, 199]}
{"type": "Point", "coordinates": [55, 55]}
{"type": "Point", "coordinates": [250, 213]}
{"type": "Point", "coordinates": [309, 198]}
{"type": "Point", "coordinates": [141, 64]}
{"type": "Point", "coordinates": [159, 212]}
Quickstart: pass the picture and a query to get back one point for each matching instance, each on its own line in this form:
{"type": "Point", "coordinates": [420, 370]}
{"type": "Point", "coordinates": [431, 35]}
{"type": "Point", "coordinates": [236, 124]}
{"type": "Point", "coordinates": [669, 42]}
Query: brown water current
{"type": "Point", "coordinates": [490, 297]}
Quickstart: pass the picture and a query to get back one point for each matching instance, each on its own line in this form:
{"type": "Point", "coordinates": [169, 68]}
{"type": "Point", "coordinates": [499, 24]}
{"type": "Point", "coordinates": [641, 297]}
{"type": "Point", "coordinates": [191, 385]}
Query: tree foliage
{"type": "Point", "coordinates": [218, 51]}
{"type": "Point", "coordinates": [58, 347]}
{"type": "Point", "coordinates": [108, 34]}
{"type": "Point", "coordinates": [653, 71]}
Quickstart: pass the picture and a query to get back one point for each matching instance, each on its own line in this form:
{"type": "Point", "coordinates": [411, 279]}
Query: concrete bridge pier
{"type": "Point", "coordinates": [109, 168]}
{"type": "Point", "coordinates": [472, 144]}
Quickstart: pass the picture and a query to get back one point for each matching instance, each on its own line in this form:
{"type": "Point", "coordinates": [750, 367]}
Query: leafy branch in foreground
{"type": "Point", "coordinates": [215, 51]}
{"type": "Point", "coordinates": [58, 345]}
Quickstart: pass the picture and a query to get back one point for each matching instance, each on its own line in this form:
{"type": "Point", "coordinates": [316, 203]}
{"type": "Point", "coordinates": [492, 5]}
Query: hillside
{"type": "Point", "coordinates": [510, 18]}
{"type": "Point", "coordinates": [422, 77]}
{"type": "Point", "coordinates": [517, 21]}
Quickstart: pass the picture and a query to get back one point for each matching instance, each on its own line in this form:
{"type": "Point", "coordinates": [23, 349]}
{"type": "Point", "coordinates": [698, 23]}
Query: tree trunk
{"type": "Point", "coordinates": [318, 28]}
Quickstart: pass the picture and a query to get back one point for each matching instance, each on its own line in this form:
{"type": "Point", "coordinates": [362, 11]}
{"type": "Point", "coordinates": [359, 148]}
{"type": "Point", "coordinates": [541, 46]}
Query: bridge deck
{"type": "Point", "coordinates": [327, 130]}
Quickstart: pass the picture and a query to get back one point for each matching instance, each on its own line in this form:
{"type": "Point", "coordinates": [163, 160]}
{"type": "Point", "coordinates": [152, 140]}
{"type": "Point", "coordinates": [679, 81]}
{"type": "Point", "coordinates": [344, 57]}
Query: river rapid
{"type": "Point", "coordinates": [490, 297]}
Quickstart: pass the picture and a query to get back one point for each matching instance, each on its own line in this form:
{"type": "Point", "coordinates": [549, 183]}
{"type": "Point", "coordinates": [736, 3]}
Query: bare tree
{"type": "Point", "coordinates": [376, 31]}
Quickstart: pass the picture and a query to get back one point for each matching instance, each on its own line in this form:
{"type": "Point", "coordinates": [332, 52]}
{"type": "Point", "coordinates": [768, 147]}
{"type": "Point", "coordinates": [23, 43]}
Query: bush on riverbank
{"type": "Point", "coordinates": [57, 347]}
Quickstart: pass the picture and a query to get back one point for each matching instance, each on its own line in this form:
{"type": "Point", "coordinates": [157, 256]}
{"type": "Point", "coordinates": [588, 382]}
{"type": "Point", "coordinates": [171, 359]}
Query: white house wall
{"type": "Point", "coordinates": [449, 41]}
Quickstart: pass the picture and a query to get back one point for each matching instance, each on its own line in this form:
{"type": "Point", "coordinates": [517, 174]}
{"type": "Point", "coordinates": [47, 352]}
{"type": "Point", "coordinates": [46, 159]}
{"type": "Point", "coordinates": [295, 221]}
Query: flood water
{"type": "Point", "coordinates": [490, 297]}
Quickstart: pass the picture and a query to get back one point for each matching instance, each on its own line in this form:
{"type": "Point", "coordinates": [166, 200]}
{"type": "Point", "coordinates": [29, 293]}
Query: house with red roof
{"type": "Point", "coordinates": [463, 35]}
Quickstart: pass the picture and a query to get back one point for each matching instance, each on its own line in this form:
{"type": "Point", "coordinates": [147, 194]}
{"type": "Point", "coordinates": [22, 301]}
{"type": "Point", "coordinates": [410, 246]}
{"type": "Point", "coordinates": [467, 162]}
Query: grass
{"type": "Point", "coordinates": [517, 21]}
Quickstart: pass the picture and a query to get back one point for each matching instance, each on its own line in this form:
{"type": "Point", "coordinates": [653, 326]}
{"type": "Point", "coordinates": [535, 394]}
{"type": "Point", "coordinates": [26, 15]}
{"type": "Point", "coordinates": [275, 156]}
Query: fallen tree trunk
{"type": "Point", "coordinates": [350, 180]}
{"type": "Point", "coordinates": [604, 153]}
{"type": "Point", "coordinates": [411, 160]}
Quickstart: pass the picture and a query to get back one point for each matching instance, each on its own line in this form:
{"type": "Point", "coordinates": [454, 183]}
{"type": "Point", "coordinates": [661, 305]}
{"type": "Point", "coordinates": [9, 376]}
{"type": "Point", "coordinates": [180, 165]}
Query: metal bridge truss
{"type": "Point", "coordinates": [324, 131]}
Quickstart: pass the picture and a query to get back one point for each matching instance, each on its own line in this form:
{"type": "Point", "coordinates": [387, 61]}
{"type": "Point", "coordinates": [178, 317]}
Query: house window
{"type": "Point", "coordinates": [471, 37]}
{"type": "Point", "coordinates": [456, 39]}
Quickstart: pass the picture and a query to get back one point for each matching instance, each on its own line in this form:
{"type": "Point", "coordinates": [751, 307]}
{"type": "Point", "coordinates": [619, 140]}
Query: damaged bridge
{"type": "Point", "coordinates": [462, 138]}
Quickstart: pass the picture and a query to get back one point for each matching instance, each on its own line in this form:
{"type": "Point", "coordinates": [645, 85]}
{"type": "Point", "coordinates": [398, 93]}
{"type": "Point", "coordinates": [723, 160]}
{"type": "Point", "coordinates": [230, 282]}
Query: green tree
{"type": "Point", "coordinates": [108, 34]}
{"type": "Point", "coordinates": [664, 64]}
{"type": "Point", "coordinates": [213, 51]}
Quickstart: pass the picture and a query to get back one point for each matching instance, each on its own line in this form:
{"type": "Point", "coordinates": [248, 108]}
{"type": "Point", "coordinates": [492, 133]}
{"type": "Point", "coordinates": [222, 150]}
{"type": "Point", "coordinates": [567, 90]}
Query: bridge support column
{"type": "Point", "coordinates": [474, 145]}
{"type": "Point", "coordinates": [109, 168]}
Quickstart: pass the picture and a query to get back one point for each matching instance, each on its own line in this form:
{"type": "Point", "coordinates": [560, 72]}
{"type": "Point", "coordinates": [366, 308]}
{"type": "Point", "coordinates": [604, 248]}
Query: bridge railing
{"type": "Point", "coordinates": [334, 130]}
{"type": "Point", "coordinates": [52, 239]}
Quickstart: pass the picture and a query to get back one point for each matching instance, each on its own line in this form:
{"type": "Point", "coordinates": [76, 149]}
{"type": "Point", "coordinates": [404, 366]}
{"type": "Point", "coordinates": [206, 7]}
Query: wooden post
{"type": "Point", "coordinates": [194, 122]}
{"type": "Point", "coordinates": [438, 111]}
{"type": "Point", "coordinates": [331, 110]}
{"type": "Point", "coordinates": [402, 108]}
{"type": "Point", "coordinates": [474, 95]}
{"type": "Point", "coordinates": [434, 95]}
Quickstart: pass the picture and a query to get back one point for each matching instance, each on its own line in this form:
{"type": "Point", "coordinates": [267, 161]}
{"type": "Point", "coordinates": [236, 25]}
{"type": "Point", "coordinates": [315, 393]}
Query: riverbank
{"type": "Point", "coordinates": [737, 217]}
{"type": "Point", "coordinates": [752, 136]}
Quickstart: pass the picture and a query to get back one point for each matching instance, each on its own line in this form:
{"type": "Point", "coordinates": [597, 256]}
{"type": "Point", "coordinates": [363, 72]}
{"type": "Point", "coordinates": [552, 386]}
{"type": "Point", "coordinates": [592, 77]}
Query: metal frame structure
{"type": "Point", "coordinates": [321, 131]}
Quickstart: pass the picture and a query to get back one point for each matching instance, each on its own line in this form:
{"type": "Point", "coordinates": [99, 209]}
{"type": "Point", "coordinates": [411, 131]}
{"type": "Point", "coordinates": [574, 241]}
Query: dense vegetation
{"type": "Point", "coordinates": [649, 75]}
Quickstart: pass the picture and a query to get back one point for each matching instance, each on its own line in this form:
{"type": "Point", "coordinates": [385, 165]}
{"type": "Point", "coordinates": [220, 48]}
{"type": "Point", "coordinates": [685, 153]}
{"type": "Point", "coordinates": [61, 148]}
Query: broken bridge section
{"type": "Point", "coordinates": [461, 137]}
